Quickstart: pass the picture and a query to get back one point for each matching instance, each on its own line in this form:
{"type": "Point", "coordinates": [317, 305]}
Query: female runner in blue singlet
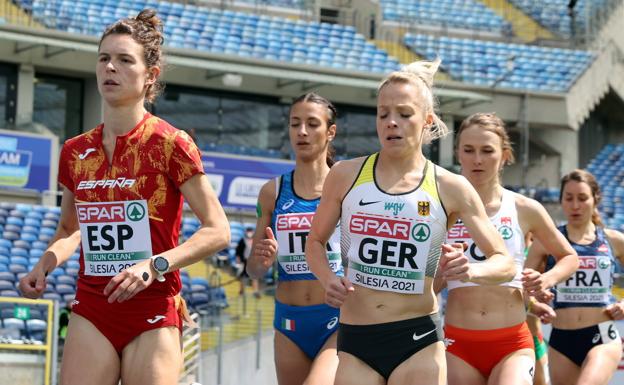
{"type": "Point", "coordinates": [305, 341]}
{"type": "Point", "coordinates": [585, 346]}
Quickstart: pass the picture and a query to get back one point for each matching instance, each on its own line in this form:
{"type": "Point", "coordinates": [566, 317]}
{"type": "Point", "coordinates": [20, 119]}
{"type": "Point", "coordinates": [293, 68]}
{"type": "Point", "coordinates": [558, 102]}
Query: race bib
{"type": "Point", "coordinates": [391, 253]}
{"type": "Point", "coordinates": [115, 235]}
{"type": "Point", "coordinates": [589, 284]}
{"type": "Point", "coordinates": [291, 234]}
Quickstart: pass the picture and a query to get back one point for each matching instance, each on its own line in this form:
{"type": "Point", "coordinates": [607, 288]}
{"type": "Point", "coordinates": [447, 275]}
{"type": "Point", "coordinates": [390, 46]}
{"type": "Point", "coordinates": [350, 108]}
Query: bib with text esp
{"type": "Point", "coordinates": [115, 235]}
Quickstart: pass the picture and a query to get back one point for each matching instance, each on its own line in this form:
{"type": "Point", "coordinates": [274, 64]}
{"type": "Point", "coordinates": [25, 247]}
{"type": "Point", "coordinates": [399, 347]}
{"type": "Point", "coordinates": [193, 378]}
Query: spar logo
{"type": "Point", "coordinates": [421, 232]}
{"type": "Point", "coordinates": [389, 228]}
{"type": "Point", "coordinates": [101, 213]}
{"type": "Point", "coordinates": [136, 212]}
{"type": "Point", "coordinates": [587, 263]}
{"type": "Point", "coordinates": [380, 227]}
{"type": "Point", "coordinates": [604, 263]}
{"type": "Point", "coordinates": [506, 232]}
{"type": "Point", "coordinates": [458, 231]}
{"type": "Point", "coordinates": [292, 222]}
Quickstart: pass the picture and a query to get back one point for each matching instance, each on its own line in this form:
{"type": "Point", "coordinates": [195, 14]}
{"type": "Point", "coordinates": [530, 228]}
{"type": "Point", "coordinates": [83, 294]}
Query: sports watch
{"type": "Point", "coordinates": [161, 265]}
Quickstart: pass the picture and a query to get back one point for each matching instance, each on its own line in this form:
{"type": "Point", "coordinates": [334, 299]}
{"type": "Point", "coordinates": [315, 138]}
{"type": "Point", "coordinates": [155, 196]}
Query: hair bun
{"type": "Point", "coordinates": [425, 70]}
{"type": "Point", "coordinates": [149, 18]}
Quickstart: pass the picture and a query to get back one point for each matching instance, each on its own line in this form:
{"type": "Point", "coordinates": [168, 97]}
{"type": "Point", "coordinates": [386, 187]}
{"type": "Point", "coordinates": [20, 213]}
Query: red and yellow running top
{"type": "Point", "coordinates": [149, 165]}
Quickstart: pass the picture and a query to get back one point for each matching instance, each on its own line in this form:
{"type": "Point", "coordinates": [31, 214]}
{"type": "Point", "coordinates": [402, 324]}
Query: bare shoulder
{"type": "Point", "coordinates": [345, 171]}
{"type": "Point", "coordinates": [614, 236]}
{"type": "Point", "coordinates": [528, 205]}
{"type": "Point", "coordinates": [348, 167]}
{"type": "Point", "coordinates": [449, 179]}
{"type": "Point", "coordinates": [267, 195]}
{"type": "Point", "coordinates": [341, 177]}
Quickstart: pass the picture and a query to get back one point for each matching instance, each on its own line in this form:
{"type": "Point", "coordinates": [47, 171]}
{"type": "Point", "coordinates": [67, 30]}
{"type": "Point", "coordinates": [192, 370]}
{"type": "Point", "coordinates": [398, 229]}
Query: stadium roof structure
{"type": "Point", "coordinates": [52, 48]}
{"type": "Point", "coordinates": [69, 53]}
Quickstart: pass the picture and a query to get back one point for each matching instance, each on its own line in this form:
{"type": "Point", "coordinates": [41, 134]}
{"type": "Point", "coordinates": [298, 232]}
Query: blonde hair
{"type": "Point", "coordinates": [420, 74]}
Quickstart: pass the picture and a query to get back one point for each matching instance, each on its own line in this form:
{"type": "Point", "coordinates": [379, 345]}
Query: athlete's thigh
{"type": "Point", "coordinates": [88, 354]}
{"type": "Point", "coordinates": [291, 363]}
{"type": "Point", "coordinates": [353, 371]}
{"type": "Point", "coordinates": [562, 370]}
{"type": "Point", "coordinates": [600, 364]}
{"type": "Point", "coordinates": [323, 370]}
{"type": "Point", "coordinates": [516, 368]}
{"type": "Point", "coordinates": [154, 357]}
{"type": "Point", "coordinates": [459, 372]}
{"type": "Point", "coordinates": [426, 367]}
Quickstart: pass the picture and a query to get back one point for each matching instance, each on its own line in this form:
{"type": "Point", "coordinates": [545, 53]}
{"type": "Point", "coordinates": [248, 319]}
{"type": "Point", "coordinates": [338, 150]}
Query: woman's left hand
{"type": "Point", "coordinates": [130, 281]}
{"type": "Point", "coordinates": [616, 311]}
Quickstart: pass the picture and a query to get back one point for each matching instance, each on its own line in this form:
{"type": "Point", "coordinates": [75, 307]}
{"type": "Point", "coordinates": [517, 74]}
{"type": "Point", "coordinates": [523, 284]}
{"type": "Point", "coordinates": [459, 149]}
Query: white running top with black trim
{"type": "Point", "coordinates": [392, 241]}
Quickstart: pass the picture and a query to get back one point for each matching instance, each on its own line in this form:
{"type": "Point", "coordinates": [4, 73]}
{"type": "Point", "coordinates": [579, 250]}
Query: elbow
{"type": "Point", "coordinates": [224, 238]}
{"type": "Point", "coordinates": [576, 263]}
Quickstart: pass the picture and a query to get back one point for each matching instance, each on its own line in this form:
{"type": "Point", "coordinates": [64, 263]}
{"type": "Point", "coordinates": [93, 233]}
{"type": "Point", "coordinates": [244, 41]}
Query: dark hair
{"type": "Point", "coordinates": [147, 30]}
{"type": "Point", "coordinates": [489, 122]}
{"type": "Point", "coordinates": [583, 176]}
{"type": "Point", "coordinates": [332, 114]}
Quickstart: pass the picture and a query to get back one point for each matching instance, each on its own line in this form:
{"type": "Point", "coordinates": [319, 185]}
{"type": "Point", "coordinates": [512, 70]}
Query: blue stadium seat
{"type": "Point", "coordinates": [14, 324]}
{"type": "Point", "coordinates": [7, 276]}
{"type": "Point", "coordinates": [485, 62]}
{"type": "Point", "coordinates": [7, 285]}
{"type": "Point", "coordinates": [63, 289]}
{"type": "Point", "coordinates": [36, 328]}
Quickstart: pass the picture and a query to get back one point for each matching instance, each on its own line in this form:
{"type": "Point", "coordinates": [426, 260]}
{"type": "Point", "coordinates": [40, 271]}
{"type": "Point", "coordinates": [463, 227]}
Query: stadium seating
{"type": "Point", "coordinates": [555, 16]}
{"type": "Point", "coordinates": [465, 14]}
{"type": "Point", "coordinates": [226, 32]}
{"type": "Point", "coordinates": [608, 168]}
{"type": "Point", "coordinates": [486, 62]}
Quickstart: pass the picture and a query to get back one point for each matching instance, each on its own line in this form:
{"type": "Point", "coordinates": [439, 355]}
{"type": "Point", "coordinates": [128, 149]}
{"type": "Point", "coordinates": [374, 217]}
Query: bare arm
{"type": "Point", "coordinates": [461, 200]}
{"type": "Point", "coordinates": [536, 257]}
{"type": "Point", "coordinates": [552, 242]}
{"type": "Point", "coordinates": [616, 240]}
{"type": "Point", "coordinates": [327, 215]}
{"type": "Point", "coordinates": [264, 247]}
{"type": "Point", "coordinates": [213, 235]}
{"type": "Point", "coordinates": [61, 247]}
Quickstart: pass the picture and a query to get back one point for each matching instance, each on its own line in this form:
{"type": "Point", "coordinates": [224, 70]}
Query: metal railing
{"type": "Point", "coordinates": [49, 347]}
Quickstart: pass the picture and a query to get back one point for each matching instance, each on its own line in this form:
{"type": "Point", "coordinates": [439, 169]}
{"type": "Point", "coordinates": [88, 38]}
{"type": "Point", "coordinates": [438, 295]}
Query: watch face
{"type": "Point", "coordinates": [161, 264]}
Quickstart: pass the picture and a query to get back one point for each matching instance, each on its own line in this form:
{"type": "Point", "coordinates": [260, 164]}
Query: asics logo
{"type": "Point", "coordinates": [86, 153]}
{"type": "Point", "coordinates": [417, 337]}
{"type": "Point", "coordinates": [448, 342]}
{"type": "Point", "coordinates": [74, 303]}
{"type": "Point", "coordinates": [156, 319]}
{"type": "Point", "coordinates": [362, 203]}
{"type": "Point", "coordinates": [288, 204]}
{"type": "Point", "coordinates": [332, 323]}
{"type": "Point", "coordinates": [596, 338]}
